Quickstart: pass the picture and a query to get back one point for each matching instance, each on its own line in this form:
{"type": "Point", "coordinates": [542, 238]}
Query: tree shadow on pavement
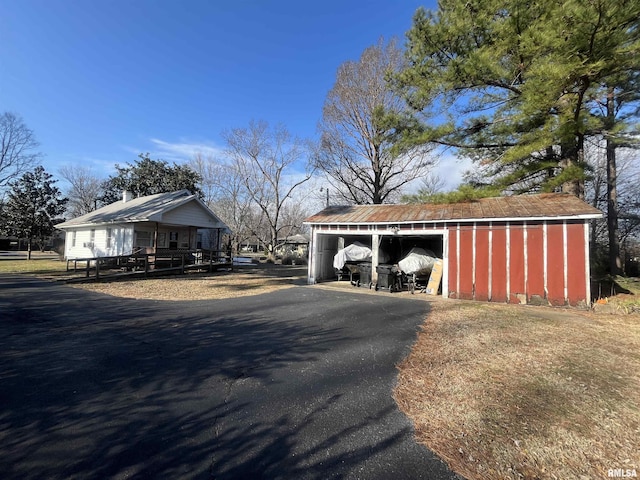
{"type": "Point", "coordinates": [97, 387]}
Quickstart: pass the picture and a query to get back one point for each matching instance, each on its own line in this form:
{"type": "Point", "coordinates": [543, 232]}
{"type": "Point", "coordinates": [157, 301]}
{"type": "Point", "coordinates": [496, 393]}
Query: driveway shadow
{"type": "Point", "coordinates": [97, 387]}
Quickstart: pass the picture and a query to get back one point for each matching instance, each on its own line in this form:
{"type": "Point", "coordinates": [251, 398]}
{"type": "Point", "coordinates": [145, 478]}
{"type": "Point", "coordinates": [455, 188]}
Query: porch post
{"type": "Point", "coordinates": [155, 239]}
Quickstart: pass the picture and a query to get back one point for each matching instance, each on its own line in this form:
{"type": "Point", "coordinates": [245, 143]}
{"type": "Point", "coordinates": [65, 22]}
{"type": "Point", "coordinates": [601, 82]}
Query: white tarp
{"type": "Point", "coordinates": [417, 260]}
{"type": "Point", "coordinates": [356, 252]}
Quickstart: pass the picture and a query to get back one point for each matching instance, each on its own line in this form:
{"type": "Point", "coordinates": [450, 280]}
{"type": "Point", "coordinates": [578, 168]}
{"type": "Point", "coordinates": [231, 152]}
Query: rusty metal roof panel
{"type": "Point", "coordinates": [540, 206]}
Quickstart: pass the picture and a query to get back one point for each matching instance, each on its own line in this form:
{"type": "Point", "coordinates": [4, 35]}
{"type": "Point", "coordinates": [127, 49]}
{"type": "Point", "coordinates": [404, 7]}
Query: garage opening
{"type": "Point", "coordinates": [392, 248]}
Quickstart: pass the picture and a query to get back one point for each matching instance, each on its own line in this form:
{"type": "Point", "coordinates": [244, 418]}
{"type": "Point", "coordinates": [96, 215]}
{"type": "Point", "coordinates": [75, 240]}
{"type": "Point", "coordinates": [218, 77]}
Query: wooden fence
{"type": "Point", "coordinates": [162, 261]}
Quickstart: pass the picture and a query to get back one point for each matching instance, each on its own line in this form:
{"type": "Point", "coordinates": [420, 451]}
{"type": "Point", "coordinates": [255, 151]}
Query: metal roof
{"type": "Point", "coordinates": [143, 209]}
{"type": "Point", "coordinates": [545, 206]}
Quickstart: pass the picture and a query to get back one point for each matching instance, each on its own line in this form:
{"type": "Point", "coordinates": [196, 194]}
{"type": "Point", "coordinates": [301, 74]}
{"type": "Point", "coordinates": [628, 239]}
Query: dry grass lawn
{"type": "Point", "coordinates": [243, 282]}
{"type": "Point", "coordinates": [525, 392]}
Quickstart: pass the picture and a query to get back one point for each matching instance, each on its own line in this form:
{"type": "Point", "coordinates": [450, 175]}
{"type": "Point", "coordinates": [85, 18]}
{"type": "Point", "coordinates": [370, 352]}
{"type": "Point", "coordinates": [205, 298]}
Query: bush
{"type": "Point", "coordinates": [294, 260]}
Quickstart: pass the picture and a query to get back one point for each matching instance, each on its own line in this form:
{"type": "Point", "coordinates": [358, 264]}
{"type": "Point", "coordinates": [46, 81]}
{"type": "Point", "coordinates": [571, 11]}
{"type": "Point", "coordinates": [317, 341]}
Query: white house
{"type": "Point", "coordinates": [163, 222]}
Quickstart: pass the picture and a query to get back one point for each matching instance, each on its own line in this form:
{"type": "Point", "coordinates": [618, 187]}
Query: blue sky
{"type": "Point", "coordinates": [100, 81]}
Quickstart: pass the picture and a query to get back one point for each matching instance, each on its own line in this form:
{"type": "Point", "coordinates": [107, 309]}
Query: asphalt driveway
{"type": "Point", "coordinates": [291, 385]}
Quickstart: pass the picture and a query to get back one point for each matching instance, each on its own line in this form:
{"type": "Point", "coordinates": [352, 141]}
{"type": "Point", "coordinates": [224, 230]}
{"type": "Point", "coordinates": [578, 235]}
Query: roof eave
{"type": "Point", "coordinates": [587, 216]}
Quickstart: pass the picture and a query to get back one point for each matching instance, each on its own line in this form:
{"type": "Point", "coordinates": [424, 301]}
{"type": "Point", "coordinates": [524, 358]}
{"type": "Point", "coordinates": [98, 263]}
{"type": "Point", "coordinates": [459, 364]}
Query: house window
{"type": "Point", "coordinates": [109, 230]}
{"type": "Point", "coordinates": [92, 237]}
{"type": "Point", "coordinates": [143, 239]}
{"type": "Point", "coordinates": [73, 238]}
{"type": "Point", "coordinates": [173, 240]}
{"type": "Point", "coordinates": [162, 240]}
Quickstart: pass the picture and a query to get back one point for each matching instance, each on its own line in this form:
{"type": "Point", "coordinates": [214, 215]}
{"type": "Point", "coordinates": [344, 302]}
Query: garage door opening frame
{"type": "Point", "coordinates": [376, 235]}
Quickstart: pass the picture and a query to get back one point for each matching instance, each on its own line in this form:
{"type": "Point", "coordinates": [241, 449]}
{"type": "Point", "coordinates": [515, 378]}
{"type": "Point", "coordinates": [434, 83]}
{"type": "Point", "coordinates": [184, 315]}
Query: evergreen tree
{"type": "Point", "coordinates": [148, 177]}
{"type": "Point", "coordinates": [33, 207]}
{"type": "Point", "coordinates": [512, 82]}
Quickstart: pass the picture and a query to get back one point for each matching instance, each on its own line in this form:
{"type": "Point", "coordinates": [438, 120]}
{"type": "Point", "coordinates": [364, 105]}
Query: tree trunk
{"type": "Point", "coordinates": [29, 241]}
{"type": "Point", "coordinates": [615, 263]}
{"type": "Point", "coordinates": [574, 157]}
{"type": "Point", "coordinates": [274, 242]}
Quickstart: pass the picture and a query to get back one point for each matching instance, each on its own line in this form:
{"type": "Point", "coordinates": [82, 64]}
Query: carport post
{"type": "Point", "coordinates": [313, 252]}
{"type": "Point", "coordinates": [375, 245]}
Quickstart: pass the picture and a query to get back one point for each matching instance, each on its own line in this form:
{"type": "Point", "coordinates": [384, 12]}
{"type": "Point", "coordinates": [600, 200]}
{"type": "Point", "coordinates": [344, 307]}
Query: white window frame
{"type": "Point", "coordinates": [162, 239]}
{"type": "Point", "coordinates": [145, 234]}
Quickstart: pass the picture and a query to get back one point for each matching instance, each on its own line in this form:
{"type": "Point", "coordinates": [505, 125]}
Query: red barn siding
{"type": "Point", "coordinates": [555, 264]}
{"type": "Point", "coordinates": [535, 261]}
{"type": "Point", "coordinates": [499, 264]}
{"type": "Point", "coordinates": [506, 261]}
{"type": "Point", "coordinates": [482, 264]}
{"type": "Point", "coordinates": [576, 262]}
{"type": "Point", "coordinates": [516, 264]}
{"type": "Point", "coordinates": [466, 263]}
{"type": "Point", "coordinates": [453, 262]}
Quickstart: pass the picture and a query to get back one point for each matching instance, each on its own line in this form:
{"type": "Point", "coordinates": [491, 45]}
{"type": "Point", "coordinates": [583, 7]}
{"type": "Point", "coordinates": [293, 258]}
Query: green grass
{"type": "Point", "coordinates": [34, 266]}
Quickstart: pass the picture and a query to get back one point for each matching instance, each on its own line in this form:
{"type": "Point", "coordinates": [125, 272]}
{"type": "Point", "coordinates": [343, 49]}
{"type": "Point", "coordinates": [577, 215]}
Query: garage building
{"type": "Point", "coordinates": [518, 249]}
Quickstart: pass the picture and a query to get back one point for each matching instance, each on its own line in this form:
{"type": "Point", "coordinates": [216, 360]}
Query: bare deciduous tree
{"type": "Point", "coordinates": [627, 204]}
{"type": "Point", "coordinates": [270, 164]}
{"type": "Point", "coordinates": [355, 149]}
{"type": "Point", "coordinates": [84, 191]}
{"type": "Point", "coordinates": [224, 192]}
{"type": "Point", "coordinates": [210, 170]}
{"type": "Point", "coordinates": [17, 145]}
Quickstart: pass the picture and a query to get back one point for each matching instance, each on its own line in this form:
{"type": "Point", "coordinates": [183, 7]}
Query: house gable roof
{"type": "Point", "coordinates": [546, 206]}
{"type": "Point", "coordinates": [151, 208]}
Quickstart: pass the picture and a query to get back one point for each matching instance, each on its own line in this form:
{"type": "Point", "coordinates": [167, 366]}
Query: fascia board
{"type": "Point", "coordinates": [467, 220]}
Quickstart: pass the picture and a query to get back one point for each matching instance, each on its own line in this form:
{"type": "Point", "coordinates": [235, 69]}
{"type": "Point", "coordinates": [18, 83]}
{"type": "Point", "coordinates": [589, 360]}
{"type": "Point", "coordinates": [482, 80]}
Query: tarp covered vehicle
{"type": "Point", "coordinates": [417, 266]}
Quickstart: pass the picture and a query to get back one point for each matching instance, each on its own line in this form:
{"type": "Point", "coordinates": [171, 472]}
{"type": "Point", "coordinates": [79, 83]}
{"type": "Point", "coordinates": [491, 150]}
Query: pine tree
{"type": "Point", "coordinates": [513, 82]}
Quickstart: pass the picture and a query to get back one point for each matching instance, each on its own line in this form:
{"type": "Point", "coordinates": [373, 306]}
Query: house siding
{"type": "Point", "coordinates": [121, 242]}
{"type": "Point", "coordinates": [189, 214]}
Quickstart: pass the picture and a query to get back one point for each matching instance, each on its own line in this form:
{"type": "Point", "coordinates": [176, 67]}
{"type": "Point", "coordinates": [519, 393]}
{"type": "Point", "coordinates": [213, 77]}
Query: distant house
{"type": "Point", "coordinates": [296, 245]}
{"type": "Point", "coordinates": [175, 221]}
{"type": "Point", "coordinates": [9, 243]}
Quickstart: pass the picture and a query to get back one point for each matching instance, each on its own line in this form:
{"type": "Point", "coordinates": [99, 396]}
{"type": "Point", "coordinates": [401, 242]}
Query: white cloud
{"type": "Point", "coordinates": [179, 152]}
{"type": "Point", "coordinates": [182, 151]}
{"type": "Point", "coordinates": [450, 169]}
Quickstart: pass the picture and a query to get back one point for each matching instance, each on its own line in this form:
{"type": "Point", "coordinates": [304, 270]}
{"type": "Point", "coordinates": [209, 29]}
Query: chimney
{"type": "Point", "coordinates": [126, 196]}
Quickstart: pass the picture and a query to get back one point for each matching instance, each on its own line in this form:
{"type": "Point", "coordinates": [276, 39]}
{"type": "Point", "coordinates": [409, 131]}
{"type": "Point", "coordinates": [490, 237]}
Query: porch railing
{"type": "Point", "coordinates": [162, 260]}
